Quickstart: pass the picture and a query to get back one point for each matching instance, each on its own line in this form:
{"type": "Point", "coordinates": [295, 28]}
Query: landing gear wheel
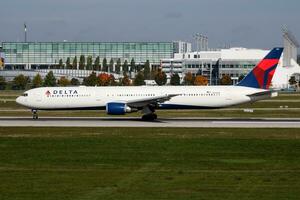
{"type": "Point", "coordinates": [149, 117]}
{"type": "Point", "coordinates": [35, 116]}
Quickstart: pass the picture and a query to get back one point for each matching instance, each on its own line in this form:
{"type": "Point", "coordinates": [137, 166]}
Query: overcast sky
{"type": "Point", "coordinates": [246, 23]}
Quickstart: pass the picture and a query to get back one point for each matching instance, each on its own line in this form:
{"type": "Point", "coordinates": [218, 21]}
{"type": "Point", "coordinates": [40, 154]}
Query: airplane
{"type": "Point", "coordinates": [119, 100]}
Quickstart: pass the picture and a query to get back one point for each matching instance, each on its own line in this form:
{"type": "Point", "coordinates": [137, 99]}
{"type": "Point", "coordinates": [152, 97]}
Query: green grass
{"type": "Point", "coordinates": [160, 163]}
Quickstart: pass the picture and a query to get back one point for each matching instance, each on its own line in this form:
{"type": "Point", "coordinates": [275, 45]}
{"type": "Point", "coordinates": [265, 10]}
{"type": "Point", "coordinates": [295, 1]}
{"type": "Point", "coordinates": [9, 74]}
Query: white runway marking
{"type": "Point", "coordinates": [136, 122]}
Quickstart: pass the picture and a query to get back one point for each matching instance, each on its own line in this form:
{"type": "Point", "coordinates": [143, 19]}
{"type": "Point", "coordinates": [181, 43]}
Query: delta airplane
{"type": "Point", "coordinates": [121, 100]}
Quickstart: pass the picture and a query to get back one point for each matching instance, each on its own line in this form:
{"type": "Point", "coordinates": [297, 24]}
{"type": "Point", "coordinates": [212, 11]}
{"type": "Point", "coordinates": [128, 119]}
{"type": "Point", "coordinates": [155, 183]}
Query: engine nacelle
{"type": "Point", "coordinates": [115, 108]}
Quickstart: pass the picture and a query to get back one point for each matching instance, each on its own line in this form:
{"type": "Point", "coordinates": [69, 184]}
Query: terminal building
{"type": "Point", "coordinates": [235, 62]}
{"type": "Point", "coordinates": [36, 55]}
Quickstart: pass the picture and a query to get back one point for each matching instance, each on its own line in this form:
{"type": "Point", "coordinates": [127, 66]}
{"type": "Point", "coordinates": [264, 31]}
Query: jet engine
{"type": "Point", "coordinates": [115, 108]}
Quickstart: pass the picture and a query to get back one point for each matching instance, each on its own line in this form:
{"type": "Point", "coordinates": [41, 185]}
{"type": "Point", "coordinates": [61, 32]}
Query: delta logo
{"type": "Point", "coordinates": [48, 93]}
{"type": "Point", "coordinates": [61, 92]}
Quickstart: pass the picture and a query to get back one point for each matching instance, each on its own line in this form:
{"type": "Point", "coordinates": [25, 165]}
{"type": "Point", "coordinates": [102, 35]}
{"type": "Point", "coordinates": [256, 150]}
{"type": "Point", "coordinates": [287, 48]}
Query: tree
{"type": "Point", "coordinates": [132, 66]}
{"type": "Point", "coordinates": [175, 79]}
{"type": "Point", "coordinates": [125, 80]}
{"type": "Point", "coordinates": [97, 66]}
{"type": "Point", "coordinates": [226, 80]}
{"type": "Point", "coordinates": [160, 77]}
{"type": "Point", "coordinates": [147, 70]}
{"type": "Point", "coordinates": [37, 81]}
{"type": "Point", "coordinates": [20, 82]}
{"type": "Point", "coordinates": [68, 63]}
{"type": "Point", "coordinates": [200, 80]}
{"type": "Point", "coordinates": [292, 81]}
{"type": "Point", "coordinates": [241, 77]}
{"type": "Point", "coordinates": [89, 63]}
{"type": "Point", "coordinates": [118, 66]}
{"type": "Point", "coordinates": [49, 80]}
{"type": "Point", "coordinates": [2, 83]}
{"type": "Point", "coordinates": [74, 81]}
{"type": "Point", "coordinates": [74, 65]}
{"type": "Point", "coordinates": [125, 67]}
{"type": "Point", "coordinates": [104, 65]}
{"type": "Point", "coordinates": [139, 79]}
{"type": "Point", "coordinates": [111, 66]}
{"type": "Point", "coordinates": [104, 79]}
{"type": "Point", "coordinates": [82, 62]}
{"type": "Point", "coordinates": [189, 79]}
{"type": "Point", "coordinates": [61, 64]}
{"type": "Point", "coordinates": [91, 80]}
{"type": "Point", "coordinates": [63, 81]}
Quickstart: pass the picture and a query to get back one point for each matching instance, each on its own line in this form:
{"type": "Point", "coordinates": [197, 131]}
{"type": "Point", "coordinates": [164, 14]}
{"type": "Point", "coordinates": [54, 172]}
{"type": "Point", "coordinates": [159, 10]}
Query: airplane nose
{"type": "Point", "coordinates": [19, 100]}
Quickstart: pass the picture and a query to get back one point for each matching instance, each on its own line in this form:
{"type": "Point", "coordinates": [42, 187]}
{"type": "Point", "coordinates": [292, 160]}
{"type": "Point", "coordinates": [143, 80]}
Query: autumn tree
{"type": "Point", "coordinates": [125, 80]}
{"type": "Point", "coordinates": [139, 79]}
{"type": "Point", "coordinates": [200, 80]}
{"type": "Point", "coordinates": [75, 81]}
{"type": "Point", "coordinates": [160, 77]}
{"type": "Point", "coordinates": [104, 79]}
{"type": "Point", "coordinates": [20, 82]}
{"type": "Point", "coordinates": [175, 79]}
{"type": "Point", "coordinates": [63, 81]}
{"type": "Point", "coordinates": [189, 79]}
{"type": "Point", "coordinates": [226, 80]}
{"type": "Point", "coordinates": [37, 81]}
{"type": "Point", "coordinates": [91, 80]}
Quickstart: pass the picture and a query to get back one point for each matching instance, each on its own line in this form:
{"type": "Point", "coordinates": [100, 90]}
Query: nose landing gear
{"type": "Point", "coordinates": [34, 114]}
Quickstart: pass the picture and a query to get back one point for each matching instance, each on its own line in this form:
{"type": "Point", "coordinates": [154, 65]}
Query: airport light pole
{"type": "Point", "coordinates": [25, 32]}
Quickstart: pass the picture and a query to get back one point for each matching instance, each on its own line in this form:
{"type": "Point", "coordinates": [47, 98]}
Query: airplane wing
{"type": "Point", "coordinates": [138, 103]}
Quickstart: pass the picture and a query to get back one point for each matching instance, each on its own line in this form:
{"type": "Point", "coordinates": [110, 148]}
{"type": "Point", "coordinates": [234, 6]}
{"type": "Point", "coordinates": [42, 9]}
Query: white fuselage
{"type": "Point", "coordinates": [57, 98]}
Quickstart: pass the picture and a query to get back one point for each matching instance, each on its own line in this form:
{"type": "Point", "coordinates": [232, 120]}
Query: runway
{"type": "Point", "coordinates": [137, 122]}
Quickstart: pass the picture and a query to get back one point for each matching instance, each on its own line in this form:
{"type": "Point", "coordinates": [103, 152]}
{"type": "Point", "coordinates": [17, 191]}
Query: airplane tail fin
{"type": "Point", "coordinates": [262, 74]}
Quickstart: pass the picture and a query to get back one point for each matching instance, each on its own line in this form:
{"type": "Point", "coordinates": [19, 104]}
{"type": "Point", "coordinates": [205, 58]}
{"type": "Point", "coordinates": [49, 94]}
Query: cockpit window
{"type": "Point", "coordinates": [25, 94]}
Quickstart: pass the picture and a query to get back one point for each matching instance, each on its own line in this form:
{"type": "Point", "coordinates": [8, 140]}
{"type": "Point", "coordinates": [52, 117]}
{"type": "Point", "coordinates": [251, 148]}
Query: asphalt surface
{"type": "Point", "coordinates": [137, 122]}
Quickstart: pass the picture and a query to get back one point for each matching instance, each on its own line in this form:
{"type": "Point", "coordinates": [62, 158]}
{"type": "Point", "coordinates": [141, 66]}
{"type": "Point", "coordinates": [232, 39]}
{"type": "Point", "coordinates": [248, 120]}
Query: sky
{"type": "Point", "coordinates": [237, 23]}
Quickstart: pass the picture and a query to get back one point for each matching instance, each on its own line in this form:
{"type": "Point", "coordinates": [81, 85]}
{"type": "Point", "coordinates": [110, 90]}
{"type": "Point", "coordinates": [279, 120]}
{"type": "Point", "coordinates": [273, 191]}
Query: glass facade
{"type": "Point", "coordinates": [49, 53]}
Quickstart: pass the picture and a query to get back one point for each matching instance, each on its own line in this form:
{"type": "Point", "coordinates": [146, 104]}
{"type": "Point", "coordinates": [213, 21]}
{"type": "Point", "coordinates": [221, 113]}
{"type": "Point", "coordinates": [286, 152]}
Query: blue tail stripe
{"type": "Point", "coordinates": [267, 74]}
{"type": "Point", "coordinates": [249, 81]}
{"type": "Point", "coordinates": [274, 54]}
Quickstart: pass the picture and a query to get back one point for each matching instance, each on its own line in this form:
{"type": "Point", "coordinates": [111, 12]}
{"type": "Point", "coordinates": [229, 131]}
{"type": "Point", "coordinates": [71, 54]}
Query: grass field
{"type": "Point", "coordinates": [136, 163]}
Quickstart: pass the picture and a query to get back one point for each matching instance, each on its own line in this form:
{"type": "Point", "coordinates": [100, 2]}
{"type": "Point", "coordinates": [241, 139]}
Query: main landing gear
{"type": "Point", "coordinates": [149, 117]}
{"type": "Point", "coordinates": [149, 113]}
{"type": "Point", "coordinates": [34, 114]}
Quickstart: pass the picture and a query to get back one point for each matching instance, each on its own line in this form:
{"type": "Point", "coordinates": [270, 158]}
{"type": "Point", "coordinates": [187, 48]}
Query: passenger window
{"type": "Point", "coordinates": [25, 94]}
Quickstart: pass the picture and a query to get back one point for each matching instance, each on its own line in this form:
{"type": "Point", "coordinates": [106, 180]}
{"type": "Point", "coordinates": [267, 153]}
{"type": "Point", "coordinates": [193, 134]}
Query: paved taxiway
{"type": "Point", "coordinates": [136, 122]}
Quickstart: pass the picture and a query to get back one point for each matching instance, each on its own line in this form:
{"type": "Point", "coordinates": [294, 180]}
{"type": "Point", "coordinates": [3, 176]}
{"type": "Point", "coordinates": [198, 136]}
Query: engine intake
{"type": "Point", "coordinates": [117, 108]}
